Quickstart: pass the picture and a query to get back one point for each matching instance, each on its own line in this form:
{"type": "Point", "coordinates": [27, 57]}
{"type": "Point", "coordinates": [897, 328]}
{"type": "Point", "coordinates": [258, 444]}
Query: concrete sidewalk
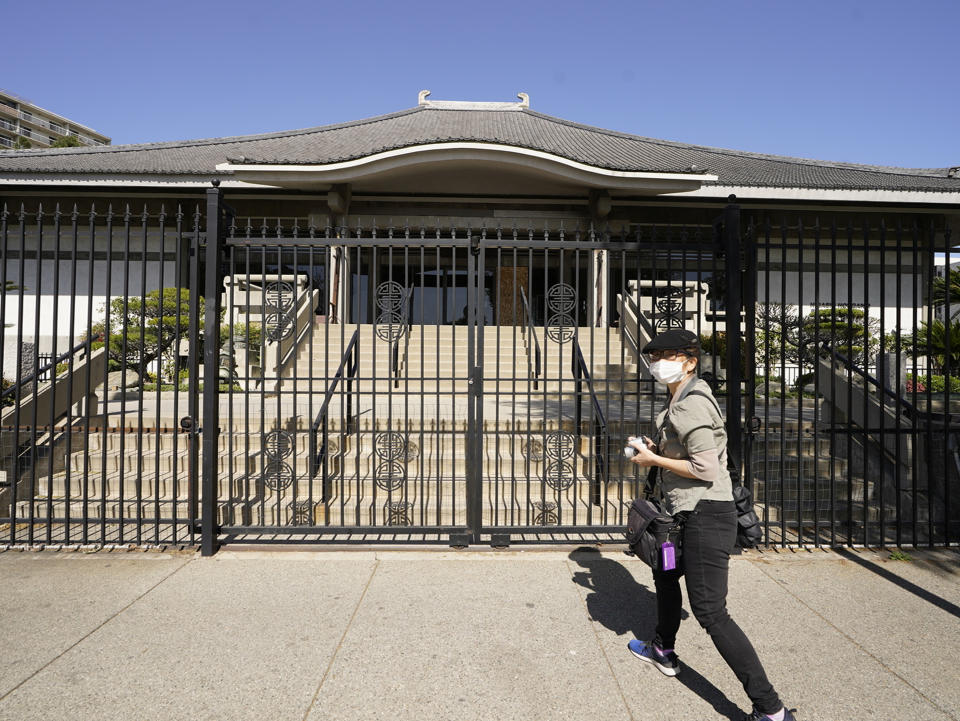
{"type": "Point", "coordinates": [414, 634]}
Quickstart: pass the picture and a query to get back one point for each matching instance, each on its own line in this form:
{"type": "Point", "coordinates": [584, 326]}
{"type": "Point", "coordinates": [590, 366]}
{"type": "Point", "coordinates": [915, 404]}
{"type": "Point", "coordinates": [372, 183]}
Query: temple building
{"type": "Point", "coordinates": [485, 271]}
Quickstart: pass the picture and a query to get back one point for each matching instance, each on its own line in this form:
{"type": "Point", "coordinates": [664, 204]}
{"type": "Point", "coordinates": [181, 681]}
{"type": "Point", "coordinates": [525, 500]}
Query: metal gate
{"type": "Point", "coordinates": [442, 383]}
{"type": "Point", "coordinates": [181, 375]}
{"type": "Point", "coordinates": [341, 428]}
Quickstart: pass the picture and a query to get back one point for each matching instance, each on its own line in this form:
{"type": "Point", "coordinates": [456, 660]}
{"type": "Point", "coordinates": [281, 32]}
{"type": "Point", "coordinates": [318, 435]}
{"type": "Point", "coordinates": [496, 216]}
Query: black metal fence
{"type": "Point", "coordinates": [862, 448]}
{"type": "Point", "coordinates": [99, 360]}
{"type": "Point", "coordinates": [441, 383]}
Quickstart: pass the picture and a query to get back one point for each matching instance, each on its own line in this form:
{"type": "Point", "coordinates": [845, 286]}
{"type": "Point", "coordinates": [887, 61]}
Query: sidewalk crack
{"type": "Point", "coordinates": [93, 631]}
{"type": "Point", "coordinates": [855, 642]}
{"type": "Point", "coordinates": [343, 636]}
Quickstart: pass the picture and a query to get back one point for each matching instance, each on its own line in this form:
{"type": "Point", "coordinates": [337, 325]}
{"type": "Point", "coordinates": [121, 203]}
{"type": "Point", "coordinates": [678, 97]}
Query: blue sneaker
{"type": "Point", "coordinates": [667, 663]}
{"type": "Point", "coordinates": [760, 716]}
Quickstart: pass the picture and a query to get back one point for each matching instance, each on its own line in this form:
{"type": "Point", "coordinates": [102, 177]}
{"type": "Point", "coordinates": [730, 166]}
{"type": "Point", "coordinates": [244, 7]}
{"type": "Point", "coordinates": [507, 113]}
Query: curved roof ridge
{"type": "Point", "coordinates": [203, 142]}
{"type": "Point", "coordinates": [890, 169]}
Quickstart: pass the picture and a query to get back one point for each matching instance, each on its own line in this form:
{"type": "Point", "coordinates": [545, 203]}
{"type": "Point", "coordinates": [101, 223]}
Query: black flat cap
{"type": "Point", "coordinates": [673, 339]}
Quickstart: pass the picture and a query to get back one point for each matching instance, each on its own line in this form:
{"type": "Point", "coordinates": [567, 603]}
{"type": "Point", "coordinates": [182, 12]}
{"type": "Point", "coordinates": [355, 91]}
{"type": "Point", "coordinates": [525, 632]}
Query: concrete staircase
{"type": "Point", "coordinates": [404, 461]}
{"type": "Point", "coordinates": [415, 474]}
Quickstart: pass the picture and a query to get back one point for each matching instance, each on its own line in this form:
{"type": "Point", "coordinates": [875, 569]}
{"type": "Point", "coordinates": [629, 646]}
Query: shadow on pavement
{"type": "Point", "coordinates": [906, 585]}
{"type": "Point", "coordinates": [626, 607]}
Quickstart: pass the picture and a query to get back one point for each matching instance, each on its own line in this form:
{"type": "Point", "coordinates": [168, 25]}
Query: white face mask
{"type": "Point", "coordinates": [666, 371]}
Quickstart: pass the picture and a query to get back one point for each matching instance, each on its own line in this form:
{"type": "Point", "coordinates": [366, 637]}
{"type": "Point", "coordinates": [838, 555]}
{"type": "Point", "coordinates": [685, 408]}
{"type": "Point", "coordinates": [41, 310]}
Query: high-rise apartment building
{"type": "Point", "coordinates": [21, 119]}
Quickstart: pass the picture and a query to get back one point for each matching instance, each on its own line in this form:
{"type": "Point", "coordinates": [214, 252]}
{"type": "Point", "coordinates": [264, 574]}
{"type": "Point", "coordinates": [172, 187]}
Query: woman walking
{"type": "Point", "coordinates": [690, 452]}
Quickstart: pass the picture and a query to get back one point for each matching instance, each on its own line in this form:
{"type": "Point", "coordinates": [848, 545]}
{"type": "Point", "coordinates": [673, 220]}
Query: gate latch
{"type": "Point", "coordinates": [475, 244]}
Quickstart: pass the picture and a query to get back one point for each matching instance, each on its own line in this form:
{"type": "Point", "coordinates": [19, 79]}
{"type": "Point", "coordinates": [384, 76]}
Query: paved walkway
{"type": "Point", "coordinates": [414, 634]}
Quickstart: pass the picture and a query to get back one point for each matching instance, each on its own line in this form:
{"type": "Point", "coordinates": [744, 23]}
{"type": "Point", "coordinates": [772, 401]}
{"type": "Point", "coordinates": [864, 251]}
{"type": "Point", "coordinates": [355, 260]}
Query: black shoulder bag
{"type": "Point", "coordinates": [749, 532]}
{"type": "Point", "coordinates": [652, 535]}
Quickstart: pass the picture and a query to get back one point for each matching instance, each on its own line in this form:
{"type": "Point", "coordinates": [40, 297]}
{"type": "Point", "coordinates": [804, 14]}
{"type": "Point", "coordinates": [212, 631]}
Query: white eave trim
{"type": "Point", "coordinates": [459, 151]}
{"type": "Point", "coordinates": [711, 192]}
{"type": "Point", "coordinates": [94, 180]}
{"type": "Point", "coordinates": [751, 192]}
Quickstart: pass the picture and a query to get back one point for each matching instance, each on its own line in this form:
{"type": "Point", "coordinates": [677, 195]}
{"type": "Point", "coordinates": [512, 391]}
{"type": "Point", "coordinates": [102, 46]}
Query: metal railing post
{"type": "Point", "coordinates": [211, 372]}
{"type": "Point", "coordinates": [734, 305]}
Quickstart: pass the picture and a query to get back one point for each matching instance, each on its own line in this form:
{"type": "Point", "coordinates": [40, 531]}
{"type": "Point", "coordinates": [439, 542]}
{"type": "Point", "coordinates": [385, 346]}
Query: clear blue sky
{"type": "Point", "coordinates": [871, 82]}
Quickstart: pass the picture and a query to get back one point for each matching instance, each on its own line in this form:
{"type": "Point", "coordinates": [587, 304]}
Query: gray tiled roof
{"type": "Point", "coordinates": [523, 128]}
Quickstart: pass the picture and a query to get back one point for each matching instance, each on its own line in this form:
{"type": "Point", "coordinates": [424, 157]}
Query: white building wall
{"type": "Point", "coordinates": [60, 300]}
{"type": "Point", "coordinates": [889, 287]}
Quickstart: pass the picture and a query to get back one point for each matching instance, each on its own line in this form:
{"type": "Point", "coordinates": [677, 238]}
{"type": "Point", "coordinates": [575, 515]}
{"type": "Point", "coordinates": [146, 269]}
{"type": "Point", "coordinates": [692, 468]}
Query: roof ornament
{"type": "Point", "coordinates": [471, 104]}
{"type": "Point", "coordinates": [954, 172]}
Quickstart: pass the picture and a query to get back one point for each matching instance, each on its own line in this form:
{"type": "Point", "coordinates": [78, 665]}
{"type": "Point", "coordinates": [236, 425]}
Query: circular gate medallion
{"type": "Point", "coordinates": [546, 513]}
{"type": "Point", "coordinates": [560, 445]}
{"type": "Point", "coordinates": [558, 475]}
{"type": "Point", "coordinates": [670, 308]}
{"type": "Point", "coordinates": [561, 298]}
{"type": "Point", "coordinates": [390, 295]}
{"type": "Point", "coordinates": [398, 513]}
{"type": "Point", "coordinates": [279, 295]}
{"type": "Point", "coordinates": [389, 476]}
{"type": "Point", "coordinates": [561, 304]}
{"type": "Point", "coordinates": [279, 326]}
{"type": "Point", "coordinates": [278, 445]}
{"type": "Point", "coordinates": [560, 328]}
{"type": "Point", "coordinates": [302, 513]}
{"type": "Point", "coordinates": [390, 327]}
{"type": "Point", "coordinates": [394, 446]}
{"type": "Point", "coordinates": [390, 446]}
{"type": "Point", "coordinates": [277, 475]}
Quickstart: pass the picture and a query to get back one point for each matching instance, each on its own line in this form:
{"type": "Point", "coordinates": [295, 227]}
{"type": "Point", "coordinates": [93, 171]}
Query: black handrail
{"type": "Point", "coordinates": [318, 452]}
{"type": "Point", "coordinates": [952, 436]}
{"type": "Point", "coordinates": [52, 364]}
{"type": "Point", "coordinates": [395, 345]}
{"type": "Point", "coordinates": [581, 375]}
{"type": "Point", "coordinates": [911, 411]}
{"type": "Point", "coordinates": [534, 371]}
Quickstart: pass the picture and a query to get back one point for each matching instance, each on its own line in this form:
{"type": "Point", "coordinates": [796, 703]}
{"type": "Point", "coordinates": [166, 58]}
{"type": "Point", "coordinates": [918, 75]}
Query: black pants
{"type": "Point", "coordinates": [708, 540]}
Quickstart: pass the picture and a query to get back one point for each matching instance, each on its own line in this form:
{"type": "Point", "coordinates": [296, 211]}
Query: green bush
{"type": "Point", "coordinates": [252, 335]}
{"type": "Point", "coordinates": [936, 383]}
{"type": "Point", "coordinates": [715, 344]}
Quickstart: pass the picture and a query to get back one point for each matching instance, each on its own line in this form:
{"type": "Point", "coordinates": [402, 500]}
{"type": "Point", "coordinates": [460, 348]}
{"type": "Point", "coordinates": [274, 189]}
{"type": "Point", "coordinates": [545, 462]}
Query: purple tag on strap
{"type": "Point", "coordinates": [668, 557]}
